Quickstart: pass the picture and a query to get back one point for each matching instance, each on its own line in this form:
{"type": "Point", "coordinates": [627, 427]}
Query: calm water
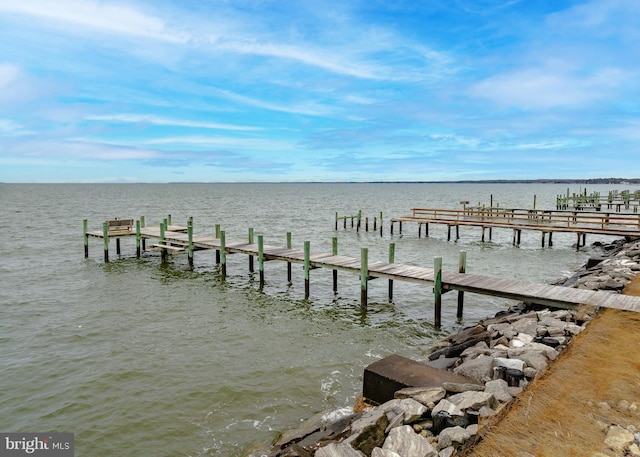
{"type": "Point", "coordinates": [138, 358]}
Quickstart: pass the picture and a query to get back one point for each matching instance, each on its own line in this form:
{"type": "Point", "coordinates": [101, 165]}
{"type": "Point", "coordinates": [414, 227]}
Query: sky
{"type": "Point", "coordinates": [318, 90]}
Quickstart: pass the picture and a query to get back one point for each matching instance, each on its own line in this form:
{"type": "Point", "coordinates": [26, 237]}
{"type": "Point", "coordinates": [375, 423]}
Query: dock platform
{"type": "Point", "coordinates": [175, 238]}
{"type": "Point", "coordinates": [544, 221]}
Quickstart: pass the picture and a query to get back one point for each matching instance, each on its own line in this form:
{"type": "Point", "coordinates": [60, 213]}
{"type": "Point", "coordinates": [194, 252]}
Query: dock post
{"type": "Point", "coordinates": [483, 227]}
{"type": "Point", "coordinates": [462, 268]}
{"type": "Point", "coordinates": [163, 251]}
{"type": "Point", "coordinates": [366, 224]}
{"type": "Point", "coordinates": [380, 223]}
{"type": "Point", "coordinates": [419, 229]}
{"type": "Point", "coordinates": [168, 223]}
{"type": "Point", "coordinates": [550, 239]}
{"type": "Point", "coordinates": [336, 221]}
{"type": "Point", "coordinates": [105, 234]}
{"type": "Point", "coordinates": [334, 250]}
{"type": "Point", "coordinates": [391, 227]}
{"type": "Point", "coordinates": [448, 232]}
{"type": "Point", "coordinates": [251, 257]}
{"type": "Point", "coordinates": [85, 226]}
{"type": "Point", "coordinates": [543, 236]}
{"type": "Point", "coordinates": [223, 254]}
{"type": "Point", "coordinates": [117, 244]}
{"type": "Point", "coordinates": [289, 263]}
{"type": "Point", "coordinates": [261, 259]}
{"type": "Point", "coordinates": [144, 240]}
{"type": "Point", "coordinates": [392, 255]}
{"type": "Point", "coordinates": [190, 242]}
{"type": "Point", "coordinates": [217, 235]}
{"type": "Point", "coordinates": [400, 229]}
{"type": "Point", "coordinates": [437, 291]}
{"type": "Point", "coordinates": [138, 237]}
{"type": "Point", "coordinates": [359, 223]}
{"type": "Point", "coordinates": [364, 277]}
{"type": "Point", "coordinates": [307, 267]}
{"type": "Point", "coordinates": [457, 232]}
{"type": "Point", "coordinates": [375, 223]}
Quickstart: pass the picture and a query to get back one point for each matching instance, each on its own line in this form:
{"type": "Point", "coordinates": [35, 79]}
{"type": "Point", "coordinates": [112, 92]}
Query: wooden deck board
{"type": "Point", "coordinates": [545, 294]}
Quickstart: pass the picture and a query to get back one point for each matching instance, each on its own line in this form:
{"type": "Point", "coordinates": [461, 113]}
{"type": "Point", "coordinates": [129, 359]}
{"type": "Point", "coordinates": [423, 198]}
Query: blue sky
{"type": "Point", "coordinates": [318, 90]}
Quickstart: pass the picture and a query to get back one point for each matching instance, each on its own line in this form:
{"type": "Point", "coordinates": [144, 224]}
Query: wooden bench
{"type": "Point", "coordinates": [120, 227]}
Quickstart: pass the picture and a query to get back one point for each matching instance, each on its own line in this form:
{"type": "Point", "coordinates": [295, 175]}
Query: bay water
{"type": "Point", "coordinates": [139, 358]}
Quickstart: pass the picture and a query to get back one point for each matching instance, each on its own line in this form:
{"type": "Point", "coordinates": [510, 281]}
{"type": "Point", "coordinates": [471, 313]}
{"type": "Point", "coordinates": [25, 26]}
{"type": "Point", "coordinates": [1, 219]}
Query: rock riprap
{"type": "Point", "coordinates": [499, 356]}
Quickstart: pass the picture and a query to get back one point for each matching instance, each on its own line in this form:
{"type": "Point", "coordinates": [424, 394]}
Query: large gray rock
{"type": "Point", "coordinates": [479, 369]}
{"type": "Point", "coordinates": [445, 405]}
{"type": "Point", "coordinates": [410, 409]}
{"type": "Point", "coordinates": [406, 443]}
{"type": "Point", "coordinates": [532, 358]}
{"type": "Point", "coordinates": [527, 325]}
{"type": "Point", "coordinates": [451, 435]}
{"type": "Point", "coordinates": [368, 430]}
{"type": "Point", "coordinates": [456, 388]}
{"type": "Point", "coordinates": [379, 452]}
{"type": "Point", "coordinates": [499, 389]}
{"type": "Point", "coordinates": [424, 395]}
{"type": "Point", "coordinates": [618, 438]}
{"type": "Point", "coordinates": [338, 450]}
{"type": "Point", "coordinates": [473, 400]}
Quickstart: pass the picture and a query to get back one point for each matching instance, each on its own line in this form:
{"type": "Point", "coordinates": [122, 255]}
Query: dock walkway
{"type": "Point", "coordinates": [544, 221]}
{"type": "Point", "coordinates": [554, 296]}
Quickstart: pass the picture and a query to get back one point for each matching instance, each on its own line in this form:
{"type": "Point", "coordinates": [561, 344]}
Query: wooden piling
{"type": "Point", "coordinates": [138, 237]}
{"type": "Point", "coordinates": [190, 242]}
{"type": "Point", "coordinates": [334, 251]}
{"type": "Point", "coordinates": [364, 277]}
{"type": "Point", "coordinates": [380, 223]}
{"type": "Point", "coordinates": [462, 268]}
{"type": "Point", "coordinates": [261, 259]}
{"type": "Point", "coordinates": [217, 235]}
{"type": "Point", "coordinates": [105, 231]}
{"type": "Point", "coordinates": [392, 255]}
{"type": "Point", "coordinates": [223, 254]}
{"type": "Point", "coordinates": [437, 291]}
{"type": "Point", "coordinates": [289, 263]}
{"type": "Point", "coordinates": [144, 240]}
{"type": "Point", "coordinates": [307, 267]}
{"type": "Point", "coordinates": [85, 227]}
{"type": "Point", "coordinates": [251, 257]}
{"type": "Point", "coordinates": [163, 252]}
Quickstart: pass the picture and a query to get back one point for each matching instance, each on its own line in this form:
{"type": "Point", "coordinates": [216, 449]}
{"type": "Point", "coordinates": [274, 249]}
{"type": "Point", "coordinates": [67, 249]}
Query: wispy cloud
{"type": "Point", "coordinates": [97, 15]}
{"type": "Point", "coordinates": [319, 90]}
{"type": "Point", "coordinates": [158, 120]}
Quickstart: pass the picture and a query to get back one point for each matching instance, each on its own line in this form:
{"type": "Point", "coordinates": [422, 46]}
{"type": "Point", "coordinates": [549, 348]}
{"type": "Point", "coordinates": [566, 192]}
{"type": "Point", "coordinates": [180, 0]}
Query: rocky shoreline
{"type": "Point", "coordinates": [499, 356]}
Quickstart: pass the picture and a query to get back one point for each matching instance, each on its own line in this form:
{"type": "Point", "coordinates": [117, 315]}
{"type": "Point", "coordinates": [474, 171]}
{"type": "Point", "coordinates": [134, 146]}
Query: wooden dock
{"type": "Point", "coordinates": [169, 238]}
{"type": "Point", "coordinates": [544, 221]}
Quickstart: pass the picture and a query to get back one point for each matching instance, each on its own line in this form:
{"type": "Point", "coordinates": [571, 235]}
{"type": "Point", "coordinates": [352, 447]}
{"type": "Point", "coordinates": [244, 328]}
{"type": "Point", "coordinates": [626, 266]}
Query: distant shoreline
{"type": "Point", "coordinates": [590, 181]}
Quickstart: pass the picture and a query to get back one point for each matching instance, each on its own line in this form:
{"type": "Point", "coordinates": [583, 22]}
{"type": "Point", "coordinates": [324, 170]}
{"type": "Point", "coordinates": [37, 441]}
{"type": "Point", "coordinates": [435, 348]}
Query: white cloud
{"type": "Point", "coordinates": [157, 120]}
{"type": "Point", "coordinates": [9, 73]}
{"type": "Point", "coordinates": [117, 18]}
{"type": "Point", "coordinates": [252, 144]}
{"type": "Point", "coordinates": [76, 149]}
{"type": "Point", "coordinates": [540, 88]}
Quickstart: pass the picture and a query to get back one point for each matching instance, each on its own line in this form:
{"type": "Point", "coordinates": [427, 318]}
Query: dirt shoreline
{"type": "Point", "coordinates": [589, 394]}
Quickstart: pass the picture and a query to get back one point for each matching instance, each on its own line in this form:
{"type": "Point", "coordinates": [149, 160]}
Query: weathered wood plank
{"type": "Point", "coordinates": [548, 295]}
